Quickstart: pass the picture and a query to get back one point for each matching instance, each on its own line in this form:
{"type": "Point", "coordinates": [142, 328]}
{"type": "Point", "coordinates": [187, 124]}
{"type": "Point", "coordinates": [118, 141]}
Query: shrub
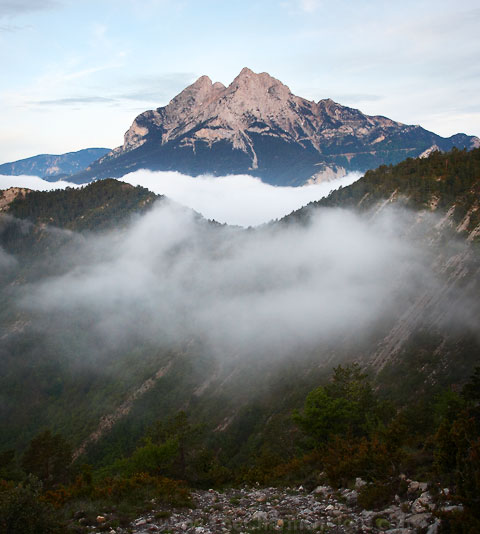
{"type": "Point", "coordinates": [22, 510]}
{"type": "Point", "coordinates": [376, 495]}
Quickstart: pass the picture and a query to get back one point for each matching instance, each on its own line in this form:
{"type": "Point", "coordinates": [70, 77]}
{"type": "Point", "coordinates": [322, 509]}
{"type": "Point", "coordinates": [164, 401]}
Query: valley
{"type": "Point", "coordinates": [159, 344]}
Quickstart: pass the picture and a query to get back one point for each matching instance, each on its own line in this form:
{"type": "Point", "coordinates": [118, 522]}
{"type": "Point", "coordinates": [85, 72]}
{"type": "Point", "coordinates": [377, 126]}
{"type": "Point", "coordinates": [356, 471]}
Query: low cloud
{"type": "Point", "coordinates": [32, 182]}
{"type": "Point", "coordinates": [170, 278]}
{"type": "Point", "coordinates": [238, 199]}
{"type": "Point", "coordinates": [7, 261]}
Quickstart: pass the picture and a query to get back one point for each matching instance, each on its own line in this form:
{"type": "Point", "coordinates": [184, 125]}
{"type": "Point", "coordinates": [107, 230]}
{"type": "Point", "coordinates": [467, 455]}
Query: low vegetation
{"type": "Point", "coordinates": [346, 431]}
{"type": "Point", "coordinates": [419, 417]}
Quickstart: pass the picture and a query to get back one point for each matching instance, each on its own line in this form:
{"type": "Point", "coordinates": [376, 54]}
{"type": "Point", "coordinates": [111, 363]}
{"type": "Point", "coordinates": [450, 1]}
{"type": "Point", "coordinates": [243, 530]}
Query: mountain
{"type": "Point", "coordinates": [121, 311]}
{"type": "Point", "coordinates": [257, 126]}
{"type": "Point", "coordinates": [119, 366]}
{"type": "Point", "coordinates": [53, 167]}
{"type": "Point", "coordinates": [102, 205]}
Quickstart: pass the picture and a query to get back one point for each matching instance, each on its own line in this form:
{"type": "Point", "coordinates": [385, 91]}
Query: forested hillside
{"type": "Point", "coordinates": [439, 182]}
{"type": "Point", "coordinates": [102, 204]}
{"type": "Point", "coordinates": [145, 350]}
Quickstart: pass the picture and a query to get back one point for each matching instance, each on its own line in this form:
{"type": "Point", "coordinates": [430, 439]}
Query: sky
{"type": "Point", "coordinates": [76, 73]}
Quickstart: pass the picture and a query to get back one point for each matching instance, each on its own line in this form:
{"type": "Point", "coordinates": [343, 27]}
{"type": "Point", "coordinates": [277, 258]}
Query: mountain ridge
{"type": "Point", "coordinates": [52, 167]}
{"type": "Point", "coordinates": [257, 126]}
{"type": "Point", "coordinates": [99, 372]}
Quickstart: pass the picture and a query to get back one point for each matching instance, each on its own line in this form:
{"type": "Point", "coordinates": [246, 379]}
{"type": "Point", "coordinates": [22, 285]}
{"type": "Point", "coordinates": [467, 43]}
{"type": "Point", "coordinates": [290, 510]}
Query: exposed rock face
{"type": "Point", "coordinates": [257, 126]}
{"type": "Point", "coordinates": [7, 196]}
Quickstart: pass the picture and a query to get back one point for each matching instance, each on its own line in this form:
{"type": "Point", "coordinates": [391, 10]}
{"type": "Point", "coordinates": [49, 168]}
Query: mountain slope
{"type": "Point", "coordinates": [101, 205]}
{"type": "Point", "coordinates": [257, 126]}
{"type": "Point", "coordinates": [445, 183]}
{"type": "Point", "coordinates": [100, 365]}
{"type": "Point", "coordinates": [53, 167]}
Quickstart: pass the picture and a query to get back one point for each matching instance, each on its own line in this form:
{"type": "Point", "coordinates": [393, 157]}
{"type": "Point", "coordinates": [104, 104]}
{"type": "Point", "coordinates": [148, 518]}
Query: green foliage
{"type": "Point", "coordinates": [98, 205]}
{"type": "Point", "coordinates": [172, 448]}
{"type": "Point", "coordinates": [324, 417]}
{"type": "Point", "coordinates": [149, 458]}
{"type": "Point", "coordinates": [183, 438]}
{"type": "Point", "coordinates": [447, 178]}
{"type": "Point", "coordinates": [48, 457]}
{"type": "Point", "coordinates": [9, 468]}
{"type": "Point", "coordinates": [376, 496]}
{"type": "Point", "coordinates": [346, 406]}
{"type": "Point", "coordinates": [22, 510]}
{"type": "Point", "coordinates": [457, 450]}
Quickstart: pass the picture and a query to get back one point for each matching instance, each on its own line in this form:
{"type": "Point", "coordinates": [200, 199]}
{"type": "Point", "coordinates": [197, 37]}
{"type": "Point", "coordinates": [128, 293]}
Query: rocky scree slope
{"type": "Point", "coordinates": [257, 126]}
{"type": "Point", "coordinates": [258, 509]}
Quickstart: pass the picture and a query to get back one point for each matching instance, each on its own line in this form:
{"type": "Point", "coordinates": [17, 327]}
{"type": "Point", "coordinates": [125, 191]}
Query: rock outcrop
{"type": "Point", "coordinates": [7, 196]}
{"type": "Point", "coordinates": [257, 126]}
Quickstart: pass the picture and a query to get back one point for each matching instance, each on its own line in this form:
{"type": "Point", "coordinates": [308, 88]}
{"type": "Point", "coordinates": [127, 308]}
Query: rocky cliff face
{"type": "Point", "coordinates": [7, 196]}
{"type": "Point", "coordinates": [257, 126]}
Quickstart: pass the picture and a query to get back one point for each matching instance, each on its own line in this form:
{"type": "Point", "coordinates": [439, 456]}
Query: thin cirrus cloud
{"type": "Point", "coordinates": [11, 28]}
{"type": "Point", "coordinates": [74, 101]}
{"type": "Point", "coordinates": [156, 89]}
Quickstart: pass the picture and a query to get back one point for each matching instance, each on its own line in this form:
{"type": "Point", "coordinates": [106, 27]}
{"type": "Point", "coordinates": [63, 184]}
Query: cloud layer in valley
{"type": "Point", "coordinates": [170, 278]}
{"type": "Point", "coordinates": [237, 199]}
{"type": "Point", "coordinates": [32, 182]}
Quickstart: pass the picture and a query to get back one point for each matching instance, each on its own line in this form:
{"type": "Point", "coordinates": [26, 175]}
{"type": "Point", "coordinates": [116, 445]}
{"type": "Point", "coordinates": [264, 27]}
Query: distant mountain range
{"type": "Point", "coordinates": [258, 127]}
{"type": "Point", "coordinates": [53, 167]}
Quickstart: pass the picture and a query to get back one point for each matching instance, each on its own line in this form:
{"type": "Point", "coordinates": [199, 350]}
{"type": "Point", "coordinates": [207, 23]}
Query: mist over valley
{"type": "Point", "coordinates": [261, 311]}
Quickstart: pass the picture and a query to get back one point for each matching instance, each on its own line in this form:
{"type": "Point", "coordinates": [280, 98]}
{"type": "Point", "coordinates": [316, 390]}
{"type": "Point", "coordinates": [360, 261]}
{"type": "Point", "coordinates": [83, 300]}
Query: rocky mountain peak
{"type": "Point", "coordinates": [256, 125]}
{"type": "Point", "coordinates": [249, 86]}
{"type": "Point", "coordinates": [195, 95]}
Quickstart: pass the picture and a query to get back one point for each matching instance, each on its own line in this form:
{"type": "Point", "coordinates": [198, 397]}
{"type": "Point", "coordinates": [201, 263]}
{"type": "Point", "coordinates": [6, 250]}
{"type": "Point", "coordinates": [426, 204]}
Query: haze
{"type": "Point", "coordinates": [170, 278]}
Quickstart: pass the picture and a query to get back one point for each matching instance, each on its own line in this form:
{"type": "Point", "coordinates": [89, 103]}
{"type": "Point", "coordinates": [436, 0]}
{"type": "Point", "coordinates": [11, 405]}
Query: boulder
{"type": "Point", "coordinates": [418, 521]}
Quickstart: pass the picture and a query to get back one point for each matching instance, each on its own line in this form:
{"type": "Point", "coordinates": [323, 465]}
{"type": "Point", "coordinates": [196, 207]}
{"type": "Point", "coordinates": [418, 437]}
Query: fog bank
{"type": "Point", "coordinates": [170, 278]}
{"type": "Point", "coordinates": [32, 182]}
{"type": "Point", "coordinates": [237, 199]}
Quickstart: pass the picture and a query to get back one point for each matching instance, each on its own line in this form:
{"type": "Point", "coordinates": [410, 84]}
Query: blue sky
{"type": "Point", "coordinates": [76, 73]}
